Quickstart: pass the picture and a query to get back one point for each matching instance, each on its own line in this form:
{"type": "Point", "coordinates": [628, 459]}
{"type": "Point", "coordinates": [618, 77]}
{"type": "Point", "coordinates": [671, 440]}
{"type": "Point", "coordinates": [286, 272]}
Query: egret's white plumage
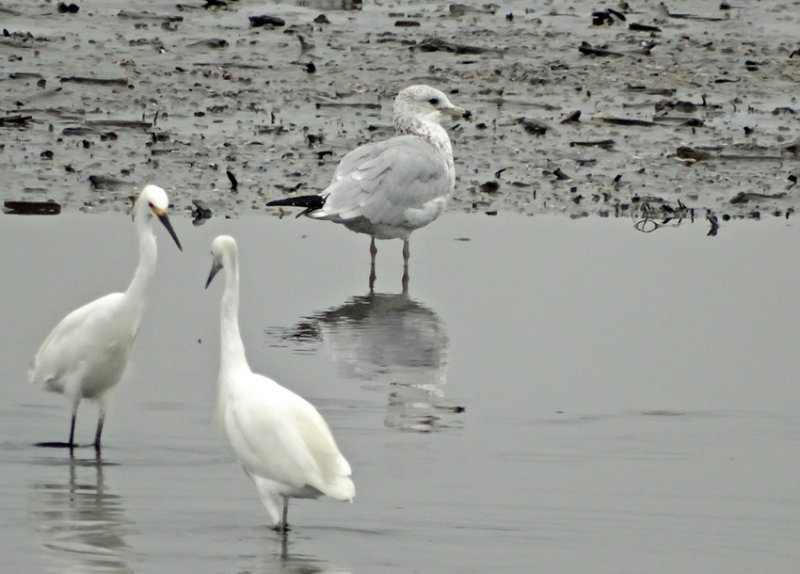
{"type": "Point", "coordinates": [85, 355]}
{"type": "Point", "coordinates": [281, 440]}
{"type": "Point", "coordinates": [388, 189]}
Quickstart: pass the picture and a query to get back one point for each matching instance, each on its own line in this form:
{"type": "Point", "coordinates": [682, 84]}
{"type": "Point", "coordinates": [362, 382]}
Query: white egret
{"type": "Point", "coordinates": [85, 355]}
{"type": "Point", "coordinates": [281, 440]}
{"type": "Point", "coordinates": [388, 189]}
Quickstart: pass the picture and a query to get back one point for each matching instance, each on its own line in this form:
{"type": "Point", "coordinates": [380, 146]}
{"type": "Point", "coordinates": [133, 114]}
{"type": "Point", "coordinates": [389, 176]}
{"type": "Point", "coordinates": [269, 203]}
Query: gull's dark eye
{"type": "Point", "coordinates": [150, 203]}
{"type": "Point", "coordinates": [434, 101]}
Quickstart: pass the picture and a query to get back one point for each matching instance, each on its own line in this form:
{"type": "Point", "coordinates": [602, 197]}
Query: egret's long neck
{"type": "Point", "coordinates": [232, 352]}
{"type": "Point", "coordinates": [148, 254]}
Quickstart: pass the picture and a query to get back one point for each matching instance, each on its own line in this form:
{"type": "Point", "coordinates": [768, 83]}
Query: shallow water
{"type": "Point", "coordinates": [629, 400]}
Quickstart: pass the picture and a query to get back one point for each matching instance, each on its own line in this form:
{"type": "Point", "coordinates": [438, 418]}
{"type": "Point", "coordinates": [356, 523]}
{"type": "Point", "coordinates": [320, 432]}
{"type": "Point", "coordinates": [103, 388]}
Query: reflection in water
{"type": "Point", "coordinates": [79, 521]}
{"type": "Point", "coordinates": [389, 339]}
{"type": "Point", "coordinates": [283, 561]}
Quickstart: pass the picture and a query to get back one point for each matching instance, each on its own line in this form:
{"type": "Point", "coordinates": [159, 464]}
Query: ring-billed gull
{"type": "Point", "coordinates": [388, 189]}
{"type": "Point", "coordinates": [281, 440]}
{"type": "Point", "coordinates": [86, 353]}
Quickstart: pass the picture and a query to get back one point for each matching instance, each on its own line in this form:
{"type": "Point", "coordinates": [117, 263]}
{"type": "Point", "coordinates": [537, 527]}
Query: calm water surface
{"type": "Point", "coordinates": [551, 395]}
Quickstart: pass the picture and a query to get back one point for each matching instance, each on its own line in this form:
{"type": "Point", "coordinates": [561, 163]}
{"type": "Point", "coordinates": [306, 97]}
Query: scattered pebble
{"type": "Point", "coordinates": [266, 20]}
{"type": "Point", "coordinates": [64, 8]}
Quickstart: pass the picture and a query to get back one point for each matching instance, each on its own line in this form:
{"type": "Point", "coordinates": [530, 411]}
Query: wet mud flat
{"type": "Point", "coordinates": [662, 113]}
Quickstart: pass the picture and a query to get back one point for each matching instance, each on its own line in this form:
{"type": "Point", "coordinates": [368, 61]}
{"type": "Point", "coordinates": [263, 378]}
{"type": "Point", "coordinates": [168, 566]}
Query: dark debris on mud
{"type": "Point", "coordinates": [660, 113]}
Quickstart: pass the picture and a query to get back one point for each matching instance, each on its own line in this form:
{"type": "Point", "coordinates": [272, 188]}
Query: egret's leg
{"type": "Point", "coordinates": [372, 252]}
{"type": "Point", "coordinates": [285, 522]}
{"type": "Point", "coordinates": [71, 443]}
{"type": "Point", "coordinates": [100, 420]}
{"type": "Point", "coordinates": [283, 525]}
{"type": "Point", "coordinates": [406, 256]}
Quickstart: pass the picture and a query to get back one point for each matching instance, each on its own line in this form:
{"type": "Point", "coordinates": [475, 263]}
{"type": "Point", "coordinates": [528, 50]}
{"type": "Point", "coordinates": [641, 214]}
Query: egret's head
{"type": "Point", "coordinates": [155, 199]}
{"type": "Point", "coordinates": [223, 252]}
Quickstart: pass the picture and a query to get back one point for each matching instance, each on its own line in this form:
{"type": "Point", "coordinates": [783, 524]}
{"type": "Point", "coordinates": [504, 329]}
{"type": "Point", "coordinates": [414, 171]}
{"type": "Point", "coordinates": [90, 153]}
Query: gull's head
{"type": "Point", "coordinates": [424, 103]}
{"type": "Point", "coordinates": [153, 200]}
{"type": "Point", "coordinates": [223, 253]}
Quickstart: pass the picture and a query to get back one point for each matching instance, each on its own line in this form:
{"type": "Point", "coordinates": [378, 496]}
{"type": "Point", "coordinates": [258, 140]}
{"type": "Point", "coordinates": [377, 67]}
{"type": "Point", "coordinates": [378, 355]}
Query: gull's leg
{"type": "Point", "coordinates": [406, 256]}
{"type": "Point", "coordinates": [372, 252]}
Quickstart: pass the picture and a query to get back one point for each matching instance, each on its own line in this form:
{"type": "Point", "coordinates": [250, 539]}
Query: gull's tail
{"type": "Point", "coordinates": [310, 202]}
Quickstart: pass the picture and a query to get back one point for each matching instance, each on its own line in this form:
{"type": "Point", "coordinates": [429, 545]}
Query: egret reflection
{"type": "Point", "coordinates": [283, 560]}
{"type": "Point", "coordinates": [389, 339]}
{"type": "Point", "coordinates": [80, 523]}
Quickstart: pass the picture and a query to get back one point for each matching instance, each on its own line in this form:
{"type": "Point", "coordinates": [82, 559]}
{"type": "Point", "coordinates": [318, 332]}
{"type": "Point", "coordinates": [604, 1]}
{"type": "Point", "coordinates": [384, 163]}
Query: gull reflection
{"type": "Point", "coordinates": [79, 521]}
{"type": "Point", "coordinates": [391, 339]}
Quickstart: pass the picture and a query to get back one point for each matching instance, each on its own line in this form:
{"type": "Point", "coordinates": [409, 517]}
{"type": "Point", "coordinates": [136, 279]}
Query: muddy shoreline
{"type": "Point", "coordinates": [662, 116]}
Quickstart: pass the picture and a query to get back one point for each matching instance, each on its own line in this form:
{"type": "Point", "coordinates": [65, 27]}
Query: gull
{"type": "Point", "coordinates": [387, 189]}
{"type": "Point", "coordinates": [85, 355]}
{"type": "Point", "coordinates": [280, 439]}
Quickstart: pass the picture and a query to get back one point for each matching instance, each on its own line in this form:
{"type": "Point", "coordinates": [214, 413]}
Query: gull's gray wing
{"type": "Point", "coordinates": [384, 181]}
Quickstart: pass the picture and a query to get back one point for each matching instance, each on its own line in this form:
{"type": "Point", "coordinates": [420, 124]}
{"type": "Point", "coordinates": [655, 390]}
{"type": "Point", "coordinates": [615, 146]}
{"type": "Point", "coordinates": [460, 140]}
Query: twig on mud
{"type": "Point", "coordinates": [602, 144]}
{"type": "Point", "coordinates": [96, 81]}
{"type": "Point", "coordinates": [672, 216]}
{"type": "Point", "coordinates": [233, 180]}
{"type": "Point", "coordinates": [15, 121]}
{"type": "Point", "coordinates": [665, 11]}
{"type": "Point", "coordinates": [588, 50]}
{"type": "Point", "coordinates": [434, 44]}
{"type": "Point", "coordinates": [31, 208]}
{"type": "Point", "coordinates": [747, 196]}
{"type": "Point", "coordinates": [712, 219]}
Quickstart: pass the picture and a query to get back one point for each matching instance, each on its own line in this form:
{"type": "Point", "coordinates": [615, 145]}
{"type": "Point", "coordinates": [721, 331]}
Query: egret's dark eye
{"type": "Point", "coordinates": [150, 203]}
{"type": "Point", "coordinates": [434, 101]}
